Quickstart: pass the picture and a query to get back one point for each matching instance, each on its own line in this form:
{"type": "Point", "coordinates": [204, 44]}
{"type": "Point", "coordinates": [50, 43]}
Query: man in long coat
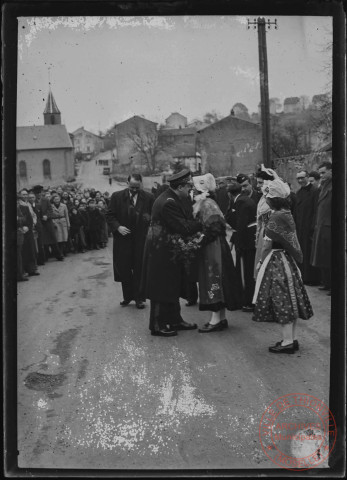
{"type": "Point", "coordinates": [241, 216]}
{"type": "Point", "coordinates": [45, 214]}
{"type": "Point", "coordinates": [164, 280]}
{"type": "Point", "coordinates": [321, 245]}
{"type": "Point", "coordinates": [28, 249]}
{"type": "Point", "coordinates": [304, 220]}
{"type": "Point", "coordinates": [128, 216]}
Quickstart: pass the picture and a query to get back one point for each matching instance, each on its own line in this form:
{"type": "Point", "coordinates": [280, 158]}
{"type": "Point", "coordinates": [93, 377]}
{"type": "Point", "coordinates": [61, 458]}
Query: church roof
{"type": "Point", "coordinates": [43, 137]}
{"type": "Point", "coordinates": [51, 106]}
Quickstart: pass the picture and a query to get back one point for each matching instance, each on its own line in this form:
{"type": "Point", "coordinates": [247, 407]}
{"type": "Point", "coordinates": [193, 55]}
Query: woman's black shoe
{"type": "Point", "coordinates": [207, 328]}
{"type": "Point", "coordinates": [165, 332]}
{"type": "Point", "coordinates": [282, 349]}
{"type": "Point", "coordinates": [295, 343]}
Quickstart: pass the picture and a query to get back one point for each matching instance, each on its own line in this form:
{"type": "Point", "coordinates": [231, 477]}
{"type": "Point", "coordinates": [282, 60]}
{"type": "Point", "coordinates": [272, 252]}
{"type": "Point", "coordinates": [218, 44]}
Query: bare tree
{"type": "Point", "coordinates": [146, 144]}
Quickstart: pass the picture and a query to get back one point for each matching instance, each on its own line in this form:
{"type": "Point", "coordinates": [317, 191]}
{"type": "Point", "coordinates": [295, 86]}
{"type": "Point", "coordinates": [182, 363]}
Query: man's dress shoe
{"type": "Point", "coordinates": [140, 305]}
{"type": "Point", "coordinates": [185, 326]}
{"type": "Point", "coordinates": [23, 279]}
{"type": "Point", "coordinates": [207, 328]}
{"type": "Point", "coordinates": [124, 303]}
{"type": "Point", "coordinates": [33, 273]}
{"type": "Point", "coordinates": [248, 308]}
{"type": "Point", "coordinates": [165, 332]}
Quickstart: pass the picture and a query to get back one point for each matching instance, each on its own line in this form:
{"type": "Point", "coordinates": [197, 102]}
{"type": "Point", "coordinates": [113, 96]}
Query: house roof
{"type": "Point", "coordinates": [178, 131]}
{"type": "Point", "coordinates": [87, 131]}
{"type": "Point", "coordinates": [43, 137]}
{"type": "Point", "coordinates": [232, 117]}
{"type": "Point", "coordinates": [133, 118]}
{"type": "Point", "coordinates": [320, 98]}
{"type": "Point", "coordinates": [51, 106]}
{"type": "Point", "coordinates": [291, 100]}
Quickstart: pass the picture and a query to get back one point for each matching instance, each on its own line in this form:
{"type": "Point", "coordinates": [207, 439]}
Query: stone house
{"type": "Point", "coordinates": [177, 144]}
{"type": "Point", "coordinates": [132, 139]}
{"type": "Point", "coordinates": [230, 146]}
{"type": "Point", "coordinates": [292, 105]}
{"type": "Point", "coordinates": [175, 120]}
{"type": "Point", "coordinates": [87, 143]}
{"type": "Point", "coordinates": [44, 153]}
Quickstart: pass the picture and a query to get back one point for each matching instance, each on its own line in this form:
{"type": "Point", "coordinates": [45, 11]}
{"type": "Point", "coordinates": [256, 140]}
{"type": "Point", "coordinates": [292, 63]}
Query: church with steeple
{"type": "Point", "coordinates": [45, 154]}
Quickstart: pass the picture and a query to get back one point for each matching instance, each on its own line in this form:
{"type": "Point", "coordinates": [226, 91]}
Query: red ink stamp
{"type": "Point", "coordinates": [297, 432]}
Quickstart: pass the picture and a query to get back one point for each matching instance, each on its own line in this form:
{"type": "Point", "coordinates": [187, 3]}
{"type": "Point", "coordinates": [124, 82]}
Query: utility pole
{"type": "Point", "coordinates": [264, 86]}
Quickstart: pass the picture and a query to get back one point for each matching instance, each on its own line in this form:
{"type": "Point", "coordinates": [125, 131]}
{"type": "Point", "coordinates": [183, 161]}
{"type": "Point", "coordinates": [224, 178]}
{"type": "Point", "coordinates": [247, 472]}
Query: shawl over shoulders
{"type": "Point", "coordinates": [281, 229]}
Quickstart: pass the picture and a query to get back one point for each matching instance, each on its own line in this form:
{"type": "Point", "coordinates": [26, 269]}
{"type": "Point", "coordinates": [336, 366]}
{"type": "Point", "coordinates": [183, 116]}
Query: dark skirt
{"type": "Point", "coordinates": [219, 284]}
{"type": "Point", "coordinates": [282, 297]}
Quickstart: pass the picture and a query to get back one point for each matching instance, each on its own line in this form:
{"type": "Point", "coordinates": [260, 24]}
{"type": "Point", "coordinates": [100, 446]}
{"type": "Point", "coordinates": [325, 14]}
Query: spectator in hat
{"type": "Point", "coordinates": [242, 219]}
{"type": "Point", "coordinates": [45, 214]}
{"type": "Point", "coordinates": [304, 214]}
{"type": "Point", "coordinates": [163, 278]}
{"type": "Point", "coordinates": [321, 244]}
{"type": "Point", "coordinates": [28, 249]}
{"type": "Point", "coordinates": [222, 197]}
{"type": "Point", "coordinates": [37, 229]}
{"type": "Point", "coordinates": [22, 229]}
{"type": "Point", "coordinates": [247, 189]}
{"type": "Point", "coordinates": [128, 216]}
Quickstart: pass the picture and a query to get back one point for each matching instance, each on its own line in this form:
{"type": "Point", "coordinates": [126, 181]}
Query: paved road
{"type": "Point", "coordinates": [90, 175]}
{"type": "Point", "coordinates": [97, 391]}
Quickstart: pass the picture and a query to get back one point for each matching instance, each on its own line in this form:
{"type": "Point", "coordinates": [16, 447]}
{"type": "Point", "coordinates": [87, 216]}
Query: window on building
{"type": "Point", "coordinates": [23, 170]}
{"type": "Point", "coordinates": [46, 169]}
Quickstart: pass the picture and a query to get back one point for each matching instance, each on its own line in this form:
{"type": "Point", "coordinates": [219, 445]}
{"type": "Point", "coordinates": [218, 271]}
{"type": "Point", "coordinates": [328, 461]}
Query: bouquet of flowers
{"type": "Point", "coordinates": [184, 250]}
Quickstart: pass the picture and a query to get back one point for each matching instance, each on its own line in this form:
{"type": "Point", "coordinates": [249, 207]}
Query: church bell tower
{"type": "Point", "coordinates": [51, 113]}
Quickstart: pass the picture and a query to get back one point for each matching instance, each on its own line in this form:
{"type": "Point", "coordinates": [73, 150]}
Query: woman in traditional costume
{"type": "Point", "coordinates": [219, 288]}
{"type": "Point", "coordinates": [280, 295]}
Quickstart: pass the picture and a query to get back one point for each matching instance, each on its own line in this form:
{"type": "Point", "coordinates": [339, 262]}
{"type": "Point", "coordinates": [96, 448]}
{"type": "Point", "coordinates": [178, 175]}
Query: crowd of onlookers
{"type": "Point", "coordinates": [52, 223]}
{"type": "Point", "coordinates": [55, 222]}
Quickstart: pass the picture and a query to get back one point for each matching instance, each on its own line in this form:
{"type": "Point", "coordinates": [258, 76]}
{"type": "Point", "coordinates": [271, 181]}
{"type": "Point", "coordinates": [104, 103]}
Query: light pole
{"type": "Point", "coordinates": [264, 86]}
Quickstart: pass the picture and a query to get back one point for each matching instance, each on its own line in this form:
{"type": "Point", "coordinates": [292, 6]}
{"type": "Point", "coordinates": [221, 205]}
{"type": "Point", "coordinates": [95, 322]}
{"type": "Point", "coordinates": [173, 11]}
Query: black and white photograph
{"type": "Point", "coordinates": [174, 244]}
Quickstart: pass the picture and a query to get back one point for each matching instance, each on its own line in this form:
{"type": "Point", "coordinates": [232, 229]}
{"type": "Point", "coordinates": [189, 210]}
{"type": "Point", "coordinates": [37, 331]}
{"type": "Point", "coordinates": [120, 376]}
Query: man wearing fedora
{"type": "Point", "coordinates": [164, 281]}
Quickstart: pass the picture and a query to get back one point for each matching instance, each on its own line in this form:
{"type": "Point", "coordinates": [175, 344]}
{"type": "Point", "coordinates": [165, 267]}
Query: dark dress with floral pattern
{"type": "Point", "coordinates": [280, 295]}
{"type": "Point", "coordinates": [219, 285]}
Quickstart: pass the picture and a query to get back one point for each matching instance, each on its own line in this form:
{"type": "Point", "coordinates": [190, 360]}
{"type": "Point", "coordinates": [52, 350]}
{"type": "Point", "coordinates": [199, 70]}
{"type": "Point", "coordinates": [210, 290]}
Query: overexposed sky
{"type": "Point", "coordinates": [105, 69]}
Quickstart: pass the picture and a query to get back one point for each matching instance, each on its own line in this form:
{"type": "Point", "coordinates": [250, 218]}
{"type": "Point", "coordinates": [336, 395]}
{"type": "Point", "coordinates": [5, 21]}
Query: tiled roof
{"type": "Point", "coordinates": [43, 137]}
{"type": "Point", "coordinates": [319, 98]}
{"type": "Point", "coordinates": [51, 106]}
{"type": "Point", "coordinates": [291, 100]}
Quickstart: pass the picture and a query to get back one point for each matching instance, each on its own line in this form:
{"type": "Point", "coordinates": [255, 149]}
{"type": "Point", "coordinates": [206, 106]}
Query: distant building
{"type": "Point", "coordinates": [88, 143]}
{"type": "Point", "coordinates": [230, 146]}
{"type": "Point", "coordinates": [318, 101]}
{"type": "Point", "coordinates": [178, 144]}
{"type": "Point", "coordinates": [241, 111]}
{"type": "Point", "coordinates": [131, 139]}
{"type": "Point", "coordinates": [292, 105]}
{"type": "Point", "coordinates": [44, 154]}
{"type": "Point", "coordinates": [175, 120]}
{"type": "Point", "coordinates": [106, 159]}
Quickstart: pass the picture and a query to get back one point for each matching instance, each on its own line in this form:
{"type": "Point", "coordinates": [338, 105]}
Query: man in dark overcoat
{"type": "Point", "coordinates": [321, 245]}
{"type": "Point", "coordinates": [241, 216]}
{"type": "Point", "coordinates": [164, 280]}
{"type": "Point", "coordinates": [128, 216]}
{"type": "Point", "coordinates": [45, 213]}
{"type": "Point", "coordinates": [29, 249]}
{"type": "Point", "coordinates": [304, 221]}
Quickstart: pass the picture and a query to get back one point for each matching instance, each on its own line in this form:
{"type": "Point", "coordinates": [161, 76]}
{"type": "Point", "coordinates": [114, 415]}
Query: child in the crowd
{"type": "Point", "coordinates": [76, 225]}
{"type": "Point", "coordinates": [104, 230]}
{"type": "Point", "coordinates": [95, 223]}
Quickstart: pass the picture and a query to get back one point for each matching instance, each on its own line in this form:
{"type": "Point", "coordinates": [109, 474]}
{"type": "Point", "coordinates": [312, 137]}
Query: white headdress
{"type": "Point", "coordinates": [205, 183]}
{"type": "Point", "coordinates": [277, 188]}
